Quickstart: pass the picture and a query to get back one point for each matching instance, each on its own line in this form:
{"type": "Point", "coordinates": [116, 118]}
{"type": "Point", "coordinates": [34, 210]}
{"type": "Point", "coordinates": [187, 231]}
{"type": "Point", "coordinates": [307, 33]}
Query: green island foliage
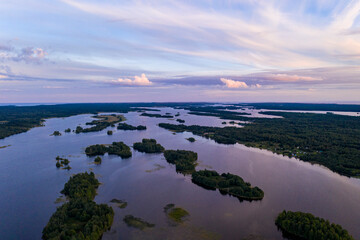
{"type": "Point", "coordinates": [82, 185]}
{"type": "Point", "coordinates": [116, 148]}
{"type": "Point", "coordinates": [148, 146]}
{"type": "Point", "coordinates": [185, 161]}
{"type": "Point", "coordinates": [120, 203]}
{"type": "Point", "coordinates": [124, 126]}
{"type": "Point", "coordinates": [109, 132]}
{"type": "Point", "coordinates": [98, 160]}
{"type": "Point", "coordinates": [67, 130]}
{"type": "Point", "coordinates": [177, 114]}
{"type": "Point", "coordinates": [56, 133]}
{"type": "Point", "coordinates": [135, 222]}
{"type": "Point", "coordinates": [327, 139]}
{"type": "Point", "coordinates": [103, 122]}
{"type": "Point", "coordinates": [61, 162]}
{"type": "Point", "coordinates": [156, 115]}
{"type": "Point", "coordinates": [191, 139]}
{"type": "Point", "coordinates": [176, 214]}
{"type": "Point", "coordinates": [81, 218]}
{"type": "Point", "coordinates": [308, 227]}
{"type": "Point", "coordinates": [227, 183]}
{"type": "Point", "coordinates": [180, 120]}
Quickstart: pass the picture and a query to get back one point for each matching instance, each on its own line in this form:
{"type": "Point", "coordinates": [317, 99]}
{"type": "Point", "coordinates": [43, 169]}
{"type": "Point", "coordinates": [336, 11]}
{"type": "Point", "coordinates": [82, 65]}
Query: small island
{"type": "Point", "coordinates": [148, 146]}
{"type": "Point", "coordinates": [81, 217]}
{"type": "Point", "coordinates": [56, 133]}
{"type": "Point", "coordinates": [98, 160]}
{"type": "Point", "coordinates": [61, 162]}
{"type": "Point", "coordinates": [177, 214]}
{"type": "Point", "coordinates": [191, 139]}
{"type": "Point", "coordinates": [227, 183]}
{"type": "Point", "coordinates": [124, 126]}
{"type": "Point", "coordinates": [116, 148]}
{"type": "Point", "coordinates": [307, 226]}
{"type": "Point", "coordinates": [180, 120]}
{"type": "Point", "coordinates": [185, 161]}
{"type": "Point", "coordinates": [120, 203]}
{"type": "Point", "coordinates": [103, 122]}
{"type": "Point", "coordinates": [109, 132]}
{"type": "Point", "coordinates": [67, 130]}
{"type": "Point", "coordinates": [135, 222]}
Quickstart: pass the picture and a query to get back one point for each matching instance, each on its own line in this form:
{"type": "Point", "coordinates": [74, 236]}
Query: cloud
{"type": "Point", "coordinates": [292, 78]}
{"type": "Point", "coordinates": [3, 76]}
{"type": "Point", "coordinates": [138, 81]}
{"type": "Point", "coordinates": [30, 54]}
{"type": "Point", "coordinates": [234, 84]}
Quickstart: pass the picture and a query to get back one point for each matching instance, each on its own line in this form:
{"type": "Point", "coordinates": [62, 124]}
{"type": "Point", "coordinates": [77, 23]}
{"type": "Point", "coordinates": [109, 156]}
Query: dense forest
{"type": "Point", "coordinates": [124, 126]}
{"type": "Point", "coordinates": [116, 148]}
{"type": "Point", "coordinates": [327, 139]}
{"type": "Point", "coordinates": [227, 183]}
{"type": "Point", "coordinates": [308, 227]}
{"type": "Point", "coordinates": [156, 115]}
{"type": "Point", "coordinates": [148, 146]}
{"type": "Point", "coordinates": [185, 161]}
{"type": "Point", "coordinates": [81, 218]}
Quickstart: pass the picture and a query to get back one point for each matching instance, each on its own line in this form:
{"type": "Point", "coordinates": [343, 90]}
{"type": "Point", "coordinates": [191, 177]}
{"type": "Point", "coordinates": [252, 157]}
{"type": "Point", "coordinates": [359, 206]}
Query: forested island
{"type": "Point", "coordinates": [116, 148]}
{"type": "Point", "coordinates": [103, 122]}
{"type": "Point", "coordinates": [227, 183]}
{"type": "Point", "coordinates": [81, 218]}
{"type": "Point", "coordinates": [307, 226]}
{"type": "Point", "coordinates": [148, 146]}
{"type": "Point", "coordinates": [185, 161]}
{"type": "Point", "coordinates": [327, 139]}
{"type": "Point", "coordinates": [124, 126]}
{"type": "Point", "coordinates": [156, 115]}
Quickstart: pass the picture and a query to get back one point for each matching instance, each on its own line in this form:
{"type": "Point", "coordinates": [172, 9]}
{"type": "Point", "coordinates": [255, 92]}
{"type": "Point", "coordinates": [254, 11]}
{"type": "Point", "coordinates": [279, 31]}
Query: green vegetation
{"type": "Point", "coordinates": [98, 160]}
{"type": "Point", "coordinates": [176, 214]}
{"type": "Point", "coordinates": [80, 218]}
{"type": "Point", "coordinates": [180, 120]}
{"type": "Point", "coordinates": [135, 222]}
{"type": "Point", "coordinates": [4, 146]}
{"type": "Point", "coordinates": [148, 146]}
{"type": "Point", "coordinates": [227, 183]}
{"type": "Point", "coordinates": [308, 227]}
{"type": "Point", "coordinates": [223, 123]}
{"type": "Point", "coordinates": [185, 161]}
{"type": "Point", "coordinates": [82, 185]}
{"type": "Point", "coordinates": [103, 122]}
{"type": "Point", "coordinates": [116, 148]}
{"type": "Point", "coordinates": [306, 106]}
{"type": "Point", "coordinates": [327, 139]}
{"type": "Point", "coordinates": [109, 132]}
{"type": "Point", "coordinates": [56, 133]}
{"type": "Point", "coordinates": [61, 162]}
{"type": "Point", "coordinates": [120, 203]}
{"type": "Point", "coordinates": [124, 126]}
{"type": "Point", "coordinates": [191, 139]}
{"type": "Point", "coordinates": [177, 114]}
{"type": "Point", "coordinates": [67, 130]}
{"type": "Point", "coordinates": [156, 115]}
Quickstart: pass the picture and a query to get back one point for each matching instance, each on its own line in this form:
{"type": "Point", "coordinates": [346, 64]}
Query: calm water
{"type": "Point", "coordinates": [30, 184]}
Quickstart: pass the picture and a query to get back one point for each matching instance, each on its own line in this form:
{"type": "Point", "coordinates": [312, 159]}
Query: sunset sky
{"type": "Point", "coordinates": [203, 50]}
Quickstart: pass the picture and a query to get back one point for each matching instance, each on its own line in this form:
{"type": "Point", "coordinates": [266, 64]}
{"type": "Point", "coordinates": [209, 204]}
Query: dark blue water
{"type": "Point", "coordinates": [30, 184]}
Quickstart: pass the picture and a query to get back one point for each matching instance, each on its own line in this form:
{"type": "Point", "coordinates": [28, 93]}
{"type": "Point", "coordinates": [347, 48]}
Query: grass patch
{"type": "Point", "coordinates": [138, 223]}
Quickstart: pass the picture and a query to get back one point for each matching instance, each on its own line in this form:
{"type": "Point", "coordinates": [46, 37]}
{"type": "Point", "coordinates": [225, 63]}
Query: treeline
{"type": "Point", "coordinates": [99, 125]}
{"type": "Point", "coordinates": [81, 218]}
{"type": "Point", "coordinates": [148, 146]}
{"type": "Point", "coordinates": [307, 226]}
{"type": "Point", "coordinates": [116, 148]}
{"type": "Point", "coordinates": [185, 161]}
{"type": "Point", "coordinates": [306, 106]}
{"type": "Point", "coordinates": [327, 139]}
{"type": "Point", "coordinates": [156, 115]}
{"type": "Point", "coordinates": [124, 126]}
{"type": "Point", "coordinates": [227, 183]}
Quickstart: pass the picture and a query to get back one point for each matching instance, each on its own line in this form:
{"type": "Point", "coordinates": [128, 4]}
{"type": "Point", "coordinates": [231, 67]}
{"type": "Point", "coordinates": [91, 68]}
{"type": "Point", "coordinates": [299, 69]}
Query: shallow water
{"type": "Point", "coordinates": [30, 183]}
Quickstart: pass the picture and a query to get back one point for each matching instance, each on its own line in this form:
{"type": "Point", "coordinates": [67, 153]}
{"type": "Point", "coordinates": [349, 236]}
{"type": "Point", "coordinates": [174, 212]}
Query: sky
{"type": "Point", "coordinates": [186, 50]}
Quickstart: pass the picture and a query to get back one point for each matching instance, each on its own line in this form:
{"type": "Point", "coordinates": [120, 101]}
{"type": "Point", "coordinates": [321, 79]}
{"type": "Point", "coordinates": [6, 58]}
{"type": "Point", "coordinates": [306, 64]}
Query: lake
{"type": "Point", "coordinates": [30, 183]}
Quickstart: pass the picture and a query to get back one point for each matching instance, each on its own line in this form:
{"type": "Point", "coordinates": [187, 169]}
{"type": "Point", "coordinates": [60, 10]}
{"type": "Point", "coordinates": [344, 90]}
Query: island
{"type": "Point", "coordinates": [185, 161]}
{"type": "Point", "coordinates": [307, 226]}
{"type": "Point", "coordinates": [103, 122]}
{"type": "Point", "coordinates": [191, 139]}
{"type": "Point", "coordinates": [98, 160]}
{"type": "Point", "coordinates": [81, 217]}
{"type": "Point", "coordinates": [176, 214]}
{"type": "Point", "coordinates": [109, 132]}
{"type": "Point", "coordinates": [116, 148]}
{"type": "Point", "coordinates": [61, 162]}
{"type": "Point", "coordinates": [135, 222]}
{"type": "Point", "coordinates": [156, 115]}
{"type": "Point", "coordinates": [180, 120]}
{"type": "Point", "coordinates": [56, 133]}
{"type": "Point", "coordinates": [227, 183]}
{"type": "Point", "coordinates": [124, 126]}
{"type": "Point", "coordinates": [67, 130]}
{"type": "Point", "coordinates": [148, 146]}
